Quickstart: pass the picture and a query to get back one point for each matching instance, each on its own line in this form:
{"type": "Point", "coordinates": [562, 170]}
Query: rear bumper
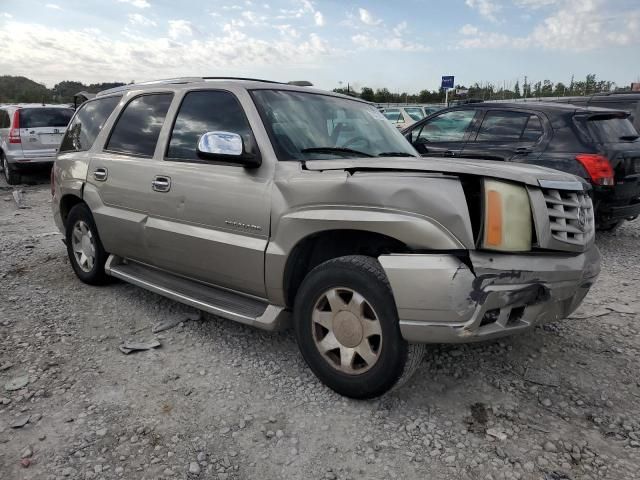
{"type": "Point", "coordinates": [20, 160]}
{"type": "Point", "coordinates": [442, 300]}
{"type": "Point", "coordinates": [619, 202]}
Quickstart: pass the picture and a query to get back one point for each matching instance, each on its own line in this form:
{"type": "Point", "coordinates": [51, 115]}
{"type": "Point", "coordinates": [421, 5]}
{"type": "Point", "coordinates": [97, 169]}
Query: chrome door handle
{"type": "Point", "coordinates": [161, 184]}
{"type": "Point", "coordinates": [100, 174]}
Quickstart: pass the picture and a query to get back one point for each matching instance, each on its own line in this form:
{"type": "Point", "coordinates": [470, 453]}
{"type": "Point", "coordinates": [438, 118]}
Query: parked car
{"type": "Point", "coordinates": [598, 145]}
{"type": "Point", "coordinates": [402, 117]}
{"type": "Point", "coordinates": [267, 203]}
{"type": "Point", "coordinates": [431, 109]}
{"type": "Point", "coordinates": [627, 101]}
{"type": "Point", "coordinates": [30, 136]}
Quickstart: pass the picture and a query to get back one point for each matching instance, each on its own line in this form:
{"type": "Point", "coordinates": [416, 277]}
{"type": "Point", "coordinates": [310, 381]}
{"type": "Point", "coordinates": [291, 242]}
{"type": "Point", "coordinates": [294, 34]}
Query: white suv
{"type": "Point", "coordinates": [30, 135]}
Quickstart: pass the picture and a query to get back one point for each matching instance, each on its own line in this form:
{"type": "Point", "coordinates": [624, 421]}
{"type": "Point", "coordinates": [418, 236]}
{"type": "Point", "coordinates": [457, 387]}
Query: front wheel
{"type": "Point", "coordinates": [347, 328]}
{"type": "Point", "coordinates": [84, 248]}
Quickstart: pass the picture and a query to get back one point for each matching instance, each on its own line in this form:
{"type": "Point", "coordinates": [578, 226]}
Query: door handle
{"type": "Point", "coordinates": [523, 150]}
{"type": "Point", "coordinates": [161, 184]}
{"type": "Point", "coordinates": [449, 153]}
{"type": "Point", "coordinates": [100, 174]}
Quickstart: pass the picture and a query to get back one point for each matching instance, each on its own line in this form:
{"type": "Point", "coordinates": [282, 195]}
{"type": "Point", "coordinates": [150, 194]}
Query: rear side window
{"type": "Point", "coordinates": [87, 124]}
{"type": "Point", "coordinates": [611, 130]}
{"type": "Point", "coordinates": [137, 130]}
{"type": "Point", "coordinates": [202, 112]}
{"type": "Point", "coordinates": [45, 117]}
{"type": "Point", "coordinates": [504, 126]}
{"type": "Point", "coordinates": [394, 115]}
{"type": "Point", "coordinates": [415, 113]}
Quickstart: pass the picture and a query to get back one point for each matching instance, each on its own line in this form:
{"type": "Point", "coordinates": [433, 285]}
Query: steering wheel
{"type": "Point", "coordinates": [351, 141]}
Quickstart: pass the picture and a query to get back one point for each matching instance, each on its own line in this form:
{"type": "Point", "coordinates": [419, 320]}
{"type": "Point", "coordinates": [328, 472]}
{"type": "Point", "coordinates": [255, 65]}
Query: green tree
{"type": "Point", "coordinates": [516, 90]}
{"type": "Point", "coordinates": [367, 94]}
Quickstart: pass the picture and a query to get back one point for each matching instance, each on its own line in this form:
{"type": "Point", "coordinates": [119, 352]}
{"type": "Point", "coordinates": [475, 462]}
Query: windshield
{"type": "Point", "coordinates": [611, 130]}
{"type": "Point", "coordinates": [415, 113]}
{"type": "Point", "coordinates": [393, 115]}
{"type": "Point", "coordinates": [45, 117]}
{"type": "Point", "coordinates": [306, 126]}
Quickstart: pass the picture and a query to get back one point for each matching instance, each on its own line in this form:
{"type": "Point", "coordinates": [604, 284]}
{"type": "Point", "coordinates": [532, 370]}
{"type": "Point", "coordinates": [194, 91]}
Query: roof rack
{"type": "Point", "coordinates": [184, 80]}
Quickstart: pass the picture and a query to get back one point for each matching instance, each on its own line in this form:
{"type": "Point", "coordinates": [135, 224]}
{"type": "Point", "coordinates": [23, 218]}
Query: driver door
{"type": "Point", "coordinates": [444, 135]}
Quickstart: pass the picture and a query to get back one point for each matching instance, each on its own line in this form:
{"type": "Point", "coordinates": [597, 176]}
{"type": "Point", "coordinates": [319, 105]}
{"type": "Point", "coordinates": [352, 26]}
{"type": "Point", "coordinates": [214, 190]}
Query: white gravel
{"type": "Point", "coordinates": [221, 401]}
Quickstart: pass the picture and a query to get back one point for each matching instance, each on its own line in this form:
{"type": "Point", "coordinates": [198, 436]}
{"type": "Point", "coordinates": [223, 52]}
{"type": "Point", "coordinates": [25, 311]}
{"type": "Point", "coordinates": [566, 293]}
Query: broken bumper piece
{"type": "Point", "coordinates": [441, 299]}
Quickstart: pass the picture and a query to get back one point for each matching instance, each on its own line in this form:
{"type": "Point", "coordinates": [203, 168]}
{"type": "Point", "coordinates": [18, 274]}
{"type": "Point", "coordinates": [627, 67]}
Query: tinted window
{"type": "Point", "coordinates": [87, 123]}
{"type": "Point", "coordinates": [394, 115]}
{"type": "Point", "coordinates": [203, 112]}
{"type": "Point", "coordinates": [45, 117]}
{"type": "Point", "coordinates": [138, 128]}
{"type": "Point", "coordinates": [448, 127]}
{"type": "Point", "coordinates": [611, 129]}
{"type": "Point", "coordinates": [4, 119]}
{"type": "Point", "coordinates": [502, 126]}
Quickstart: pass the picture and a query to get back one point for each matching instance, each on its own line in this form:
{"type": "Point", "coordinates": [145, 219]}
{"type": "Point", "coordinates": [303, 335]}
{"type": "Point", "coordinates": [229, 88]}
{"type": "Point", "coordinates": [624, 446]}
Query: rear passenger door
{"type": "Point", "coordinates": [443, 135]}
{"type": "Point", "coordinates": [211, 221]}
{"type": "Point", "coordinates": [119, 181]}
{"type": "Point", "coordinates": [506, 135]}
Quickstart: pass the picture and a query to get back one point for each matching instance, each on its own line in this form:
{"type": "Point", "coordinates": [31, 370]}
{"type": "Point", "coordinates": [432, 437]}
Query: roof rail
{"type": "Point", "coordinates": [182, 80]}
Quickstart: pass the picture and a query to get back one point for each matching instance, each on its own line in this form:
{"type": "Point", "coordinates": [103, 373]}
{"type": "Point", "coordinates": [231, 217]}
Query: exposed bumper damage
{"type": "Point", "coordinates": [442, 300]}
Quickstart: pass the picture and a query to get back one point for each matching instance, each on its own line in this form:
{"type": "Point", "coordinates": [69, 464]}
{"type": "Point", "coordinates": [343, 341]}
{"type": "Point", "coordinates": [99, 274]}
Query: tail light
{"type": "Point", "coordinates": [14, 133]}
{"type": "Point", "coordinates": [598, 168]}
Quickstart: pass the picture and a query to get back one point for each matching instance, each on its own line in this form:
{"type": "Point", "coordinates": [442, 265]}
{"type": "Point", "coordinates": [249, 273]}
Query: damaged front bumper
{"type": "Point", "coordinates": [440, 299]}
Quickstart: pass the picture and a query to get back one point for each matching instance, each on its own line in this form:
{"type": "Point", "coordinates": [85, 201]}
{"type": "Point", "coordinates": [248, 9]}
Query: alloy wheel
{"type": "Point", "coordinates": [347, 331]}
{"type": "Point", "coordinates": [84, 246]}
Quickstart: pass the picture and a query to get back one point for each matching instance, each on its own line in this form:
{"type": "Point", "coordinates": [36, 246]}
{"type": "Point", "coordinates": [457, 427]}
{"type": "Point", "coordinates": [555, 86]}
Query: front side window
{"type": "Point", "coordinates": [87, 124]}
{"type": "Point", "coordinates": [202, 112]}
{"type": "Point", "coordinates": [448, 127]}
{"type": "Point", "coordinates": [415, 113]}
{"type": "Point", "coordinates": [502, 126]}
{"type": "Point", "coordinates": [137, 130]}
{"type": "Point", "coordinates": [306, 126]}
{"type": "Point", "coordinates": [45, 117]}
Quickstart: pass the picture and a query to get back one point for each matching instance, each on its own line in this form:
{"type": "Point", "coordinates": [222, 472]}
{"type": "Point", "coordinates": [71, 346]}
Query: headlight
{"type": "Point", "coordinates": [507, 217]}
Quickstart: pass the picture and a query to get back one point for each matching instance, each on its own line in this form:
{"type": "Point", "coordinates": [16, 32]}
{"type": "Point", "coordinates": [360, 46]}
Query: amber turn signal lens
{"type": "Point", "coordinates": [494, 218]}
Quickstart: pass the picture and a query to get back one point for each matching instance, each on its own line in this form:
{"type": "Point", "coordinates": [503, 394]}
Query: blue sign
{"type": "Point", "coordinates": [447, 81]}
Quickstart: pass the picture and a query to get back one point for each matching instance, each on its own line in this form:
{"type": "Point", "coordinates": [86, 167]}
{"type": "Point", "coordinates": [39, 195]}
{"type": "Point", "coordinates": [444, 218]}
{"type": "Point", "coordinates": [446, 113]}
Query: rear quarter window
{"type": "Point", "coordinates": [610, 130]}
{"type": "Point", "coordinates": [45, 117]}
{"type": "Point", "coordinates": [87, 124]}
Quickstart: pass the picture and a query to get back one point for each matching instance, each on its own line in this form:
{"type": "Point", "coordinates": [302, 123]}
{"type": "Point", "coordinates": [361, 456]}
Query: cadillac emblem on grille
{"type": "Point", "coordinates": [582, 219]}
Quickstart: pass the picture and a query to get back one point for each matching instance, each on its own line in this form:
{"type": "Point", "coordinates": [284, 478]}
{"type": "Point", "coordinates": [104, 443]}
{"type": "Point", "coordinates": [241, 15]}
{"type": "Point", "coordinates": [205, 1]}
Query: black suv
{"type": "Point", "coordinates": [627, 101]}
{"type": "Point", "coordinates": [599, 145]}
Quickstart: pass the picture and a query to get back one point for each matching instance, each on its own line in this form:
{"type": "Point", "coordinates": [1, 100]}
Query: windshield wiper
{"type": "Point", "coordinates": [629, 138]}
{"type": "Point", "coordinates": [396, 154]}
{"type": "Point", "coordinates": [348, 151]}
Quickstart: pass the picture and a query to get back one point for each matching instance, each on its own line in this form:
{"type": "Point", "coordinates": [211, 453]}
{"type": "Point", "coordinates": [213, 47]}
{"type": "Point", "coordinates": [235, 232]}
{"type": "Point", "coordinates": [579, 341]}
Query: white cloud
{"type": "Point", "coordinates": [53, 53]}
{"type": "Point", "coordinates": [5, 15]}
{"type": "Point", "coordinates": [179, 29]}
{"type": "Point", "coordinates": [287, 31]}
{"type": "Point", "coordinates": [469, 30]}
{"type": "Point", "coordinates": [384, 42]}
{"type": "Point", "coordinates": [141, 20]}
{"type": "Point", "coordinates": [487, 8]}
{"type": "Point", "coordinates": [53, 6]}
{"type": "Point", "coordinates": [535, 4]}
{"type": "Point", "coordinates": [137, 3]}
{"type": "Point", "coordinates": [367, 18]}
{"type": "Point", "coordinates": [400, 29]}
{"type": "Point", "coordinates": [319, 19]}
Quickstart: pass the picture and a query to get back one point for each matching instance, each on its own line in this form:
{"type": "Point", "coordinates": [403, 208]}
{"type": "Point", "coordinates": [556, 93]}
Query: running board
{"type": "Point", "coordinates": [217, 301]}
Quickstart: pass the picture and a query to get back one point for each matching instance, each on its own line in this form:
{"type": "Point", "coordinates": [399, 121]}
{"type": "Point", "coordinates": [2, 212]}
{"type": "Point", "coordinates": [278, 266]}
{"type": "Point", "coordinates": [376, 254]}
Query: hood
{"type": "Point", "coordinates": [516, 172]}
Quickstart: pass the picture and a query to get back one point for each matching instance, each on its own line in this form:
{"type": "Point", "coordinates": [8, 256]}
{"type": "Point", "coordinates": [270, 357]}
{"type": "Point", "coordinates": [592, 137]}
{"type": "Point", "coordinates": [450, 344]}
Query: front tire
{"type": "Point", "coordinates": [346, 325]}
{"type": "Point", "coordinates": [84, 248]}
{"type": "Point", "coordinates": [11, 176]}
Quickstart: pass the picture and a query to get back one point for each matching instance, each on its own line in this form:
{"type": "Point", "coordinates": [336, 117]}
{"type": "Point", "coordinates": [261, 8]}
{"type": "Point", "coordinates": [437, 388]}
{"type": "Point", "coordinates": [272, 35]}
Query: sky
{"type": "Point", "coordinates": [405, 45]}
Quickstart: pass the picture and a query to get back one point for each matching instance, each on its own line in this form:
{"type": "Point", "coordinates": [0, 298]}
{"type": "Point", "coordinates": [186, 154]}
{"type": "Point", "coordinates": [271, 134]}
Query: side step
{"type": "Point", "coordinates": [217, 301]}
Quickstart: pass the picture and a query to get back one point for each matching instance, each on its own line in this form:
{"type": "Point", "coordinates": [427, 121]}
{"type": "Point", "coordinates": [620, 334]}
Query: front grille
{"type": "Point", "coordinates": [570, 216]}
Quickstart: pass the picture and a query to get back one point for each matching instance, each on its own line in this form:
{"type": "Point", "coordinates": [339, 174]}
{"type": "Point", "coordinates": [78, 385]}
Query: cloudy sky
{"type": "Point", "coordinates": [404, 45]}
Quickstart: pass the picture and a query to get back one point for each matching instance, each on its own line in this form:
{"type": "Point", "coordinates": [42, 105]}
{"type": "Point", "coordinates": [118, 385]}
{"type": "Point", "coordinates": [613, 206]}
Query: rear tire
{"type": "Point", "coordinates": [11, 176]}
{"type": "Point", "coordinates": [347, 329]}
{"type": "Point", "coordinates": [84, 248]}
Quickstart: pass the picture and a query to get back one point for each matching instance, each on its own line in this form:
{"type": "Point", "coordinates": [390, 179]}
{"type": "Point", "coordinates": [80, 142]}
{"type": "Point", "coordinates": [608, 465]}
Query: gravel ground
{"type": "Point", "coordinates": [221, 401]}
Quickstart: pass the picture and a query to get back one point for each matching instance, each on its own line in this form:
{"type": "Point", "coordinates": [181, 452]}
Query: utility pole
{"type": "Point", "coordinates": [525, 88]}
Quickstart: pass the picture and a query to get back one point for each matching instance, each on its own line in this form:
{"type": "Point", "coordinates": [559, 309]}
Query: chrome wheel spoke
{"type": "Point", "coordinates": [346, 357]}
{"type": "Point", "coordinates": [371, 327]}
{"type": "Point", "coordinates": [324, 319]}
{"type": "Point", "coordinates": [335, 301]}
{"type": "Point", "coordinates": [356, 304]}
{"type": "Point", "coordinates": [328, 343]}
{"type": "Point", "coordinates": [366, 353]}
{"type": "Point", "coordinates": [83, 259]}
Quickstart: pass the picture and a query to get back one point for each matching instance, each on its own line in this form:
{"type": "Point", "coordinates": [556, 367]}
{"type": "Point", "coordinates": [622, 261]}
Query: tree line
{"type": "Point", "coordinates": [17, 89]}
{"type": "Point", "coordinates": [488, 91]}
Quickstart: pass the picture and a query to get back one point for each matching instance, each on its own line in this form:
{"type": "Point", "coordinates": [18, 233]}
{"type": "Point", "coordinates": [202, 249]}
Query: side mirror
{"type": "Point", "coordinates": [226, 147]}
